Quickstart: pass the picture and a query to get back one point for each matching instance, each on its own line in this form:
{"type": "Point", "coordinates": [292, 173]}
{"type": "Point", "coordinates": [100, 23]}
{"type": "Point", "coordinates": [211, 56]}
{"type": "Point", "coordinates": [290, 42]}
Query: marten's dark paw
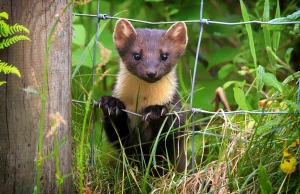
{"type": "Point", "coordinates": [111, 106]}
{"type": "Point", "coordinates": [154, 113]}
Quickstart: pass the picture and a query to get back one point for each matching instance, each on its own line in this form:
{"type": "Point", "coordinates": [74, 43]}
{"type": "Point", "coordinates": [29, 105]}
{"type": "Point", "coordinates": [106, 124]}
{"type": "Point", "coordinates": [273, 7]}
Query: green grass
{"type": "Point", "coordinates": [234, 153]}
{"type": "Point", "coordinates": [221, 164]}
{"type": "Point", "coordinates": [229, 163]}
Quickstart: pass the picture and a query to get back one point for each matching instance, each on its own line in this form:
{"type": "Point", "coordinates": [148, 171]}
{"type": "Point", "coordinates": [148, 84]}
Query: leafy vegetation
{"type": "Point", "coordinates": [256, 65]}
{"type": "Point", "coordinates": [7, 38]}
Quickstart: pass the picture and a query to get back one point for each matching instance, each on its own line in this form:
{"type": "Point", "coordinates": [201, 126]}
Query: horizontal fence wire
{"type": "Point", "coordinates": [202, 21]}
{"type": "Point", "coordinates": [200, 111]}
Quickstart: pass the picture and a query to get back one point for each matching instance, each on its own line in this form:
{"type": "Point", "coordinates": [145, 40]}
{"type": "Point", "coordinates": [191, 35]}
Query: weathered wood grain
{"type": "Point", "coordinates": [20, 112]}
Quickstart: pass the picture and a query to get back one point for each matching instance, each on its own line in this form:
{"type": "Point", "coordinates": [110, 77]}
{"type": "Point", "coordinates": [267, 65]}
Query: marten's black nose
{"type": "Point", "coordinates": [151, 73]}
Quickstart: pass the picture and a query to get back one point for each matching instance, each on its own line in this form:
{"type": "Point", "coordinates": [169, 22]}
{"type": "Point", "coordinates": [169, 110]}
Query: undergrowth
{"type": "Point", "coordinates": [248, 153]}
{"type": "Point", "coordinates": [232, 161]}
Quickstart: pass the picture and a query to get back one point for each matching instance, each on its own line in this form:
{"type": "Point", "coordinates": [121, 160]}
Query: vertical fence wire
{"type": "Point", "coordinates": [298, 96]}
{"type": "Point", "coordinates": [193, 85]}
{"type": "Point", "coordinates": [93, 81]}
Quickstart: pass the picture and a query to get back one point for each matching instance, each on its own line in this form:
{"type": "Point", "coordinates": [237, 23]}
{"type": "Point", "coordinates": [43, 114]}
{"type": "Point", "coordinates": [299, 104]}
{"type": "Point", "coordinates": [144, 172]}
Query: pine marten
{"type": "Point", "coordinates": [147, 84]}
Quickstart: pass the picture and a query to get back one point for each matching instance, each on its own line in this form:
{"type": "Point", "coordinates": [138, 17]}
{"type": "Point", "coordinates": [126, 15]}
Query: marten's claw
{"type": "Point", "coordinates": [156, 112]}
{"type": "Point", "coordinates": [111, 106]}
{"type": "Point", "coordinates": [145, 117]}
{"type": "Point", "coordinates": [109, 111]}
{"type": "Point", "coordinates": [164, 111]}
{"type": "Point", "coordinates": [99, 103]}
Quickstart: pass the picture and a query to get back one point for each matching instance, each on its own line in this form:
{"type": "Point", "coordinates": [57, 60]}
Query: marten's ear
{"type": "Point", "coordinates": [123, 31]}
{"type": "Point", "coordinates": [177, 33]}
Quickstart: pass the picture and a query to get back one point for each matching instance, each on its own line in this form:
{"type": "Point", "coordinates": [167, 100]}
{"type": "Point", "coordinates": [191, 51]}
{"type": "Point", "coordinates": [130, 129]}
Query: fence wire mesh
{"type": "Point", "coordinates": [202, 21]}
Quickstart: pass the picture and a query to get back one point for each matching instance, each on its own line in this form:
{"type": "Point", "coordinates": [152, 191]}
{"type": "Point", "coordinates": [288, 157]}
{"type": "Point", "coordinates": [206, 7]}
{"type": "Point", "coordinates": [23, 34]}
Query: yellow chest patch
{"type": "Point", "coordinates": [138, 94]}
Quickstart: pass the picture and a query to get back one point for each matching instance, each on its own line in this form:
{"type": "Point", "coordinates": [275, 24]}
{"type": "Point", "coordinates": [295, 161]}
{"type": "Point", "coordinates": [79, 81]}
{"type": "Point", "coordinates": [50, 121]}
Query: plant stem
{"type": "Point", "coordinates": [80, 162]}
{"type": "Point", "coordinates": [56, 153]}
{"type": "Point", "coordinates": [43, 96]}
{"type": "Point", "coordinates": [279, 191]}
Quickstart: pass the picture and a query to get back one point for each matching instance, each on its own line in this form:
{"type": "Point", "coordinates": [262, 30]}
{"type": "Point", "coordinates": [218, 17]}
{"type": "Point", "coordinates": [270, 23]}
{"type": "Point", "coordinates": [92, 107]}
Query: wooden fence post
{"type": "Point", "coordinates": [20, 111]}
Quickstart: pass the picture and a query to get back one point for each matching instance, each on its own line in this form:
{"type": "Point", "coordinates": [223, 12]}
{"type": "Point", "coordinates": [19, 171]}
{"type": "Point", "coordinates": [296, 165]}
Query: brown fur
{"type": "Point", "coordinates": [138, 94]}
{"type": "Point", "coordinates": [147, 84]}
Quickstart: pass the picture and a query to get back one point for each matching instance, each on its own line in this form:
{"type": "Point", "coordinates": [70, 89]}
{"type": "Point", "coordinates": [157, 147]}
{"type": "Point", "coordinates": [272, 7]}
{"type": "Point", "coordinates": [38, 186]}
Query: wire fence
{"type": "Point", "coordinates": [201, 21]}
{"type": "Point", "coordinates": [193, 110]}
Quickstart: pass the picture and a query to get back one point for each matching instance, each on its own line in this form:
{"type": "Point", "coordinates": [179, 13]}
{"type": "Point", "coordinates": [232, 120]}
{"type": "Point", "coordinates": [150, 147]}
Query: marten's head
{"type": "Point", "coordinates": [150, 54]}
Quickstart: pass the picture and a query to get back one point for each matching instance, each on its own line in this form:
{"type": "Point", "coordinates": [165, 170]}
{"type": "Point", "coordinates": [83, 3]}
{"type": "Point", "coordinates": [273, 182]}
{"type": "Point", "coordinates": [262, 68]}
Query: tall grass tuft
{"type": "Point", "coordinates": [234, 153]}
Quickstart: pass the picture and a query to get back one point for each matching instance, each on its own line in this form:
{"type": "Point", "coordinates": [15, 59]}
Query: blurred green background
{"type": "Point", "coordinates": [224, 54]}
{"type": "Point", "coordinates": [224, 58]}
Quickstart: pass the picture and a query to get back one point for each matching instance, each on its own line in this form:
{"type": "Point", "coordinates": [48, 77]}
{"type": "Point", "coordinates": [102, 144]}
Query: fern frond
{"type": "Point", "coordinates": [7, 69]}
{"type": "Point", "coordinates": [17, 28]}
{"type": "Point", "coordinates": [4, 15]}
{"type": "Point", "coordinates": [9, 41]}
{"type": "Point", "coordinates": [2, 82]}
{"type": "Point", "coordinates": [4, 29]}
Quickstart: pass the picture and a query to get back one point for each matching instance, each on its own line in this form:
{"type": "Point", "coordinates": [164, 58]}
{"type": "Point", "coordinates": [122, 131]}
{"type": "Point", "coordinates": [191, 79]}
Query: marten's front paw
{"type": "Point", "coordinates": [154, 113]}
{"type": "Point", "coordinates": [111, 106]}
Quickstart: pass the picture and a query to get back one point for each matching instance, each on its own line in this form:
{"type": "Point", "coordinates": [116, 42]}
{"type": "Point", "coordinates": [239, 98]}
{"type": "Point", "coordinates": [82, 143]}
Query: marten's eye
{"type": "Point", "coordinates": [164, 57]}
{"type": "Point", "coordinates": [137, 57]}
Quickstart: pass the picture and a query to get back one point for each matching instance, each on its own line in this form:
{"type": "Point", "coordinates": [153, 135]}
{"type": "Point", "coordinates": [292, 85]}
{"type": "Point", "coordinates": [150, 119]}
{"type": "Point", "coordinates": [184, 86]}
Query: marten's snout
{"type": "Point", "coordinates": [151, 73]}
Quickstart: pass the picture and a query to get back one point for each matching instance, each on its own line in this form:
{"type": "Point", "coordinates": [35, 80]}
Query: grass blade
{"type": "Point", "coordinates": [249, 32]}
{"type": "Point", "coordinates": [276, 35]}
{"type": "Point", "coordinates": [251, 42]}
{"type": "Point", "coordinates": [265, 184]}
{"type": "Point", "coordinates": [267, 36]}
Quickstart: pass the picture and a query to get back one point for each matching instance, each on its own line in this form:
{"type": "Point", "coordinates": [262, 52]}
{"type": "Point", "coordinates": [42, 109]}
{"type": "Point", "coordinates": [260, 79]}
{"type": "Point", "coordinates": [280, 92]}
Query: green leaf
{"type": "Point", "coordinates": [240, 99]}
{"type": "Point", "coordinates": [265, 184]}
{"type": "Point", "coordinates": [227, 84]}
{"type": "Point", "coordinates": [237, 84]}
{"type": "Point", "coordinates": [287, 55]}
{"type": "Point", "coordinates": [296, 28]}
{"type": "Point", "coordinates": [276, 34]}
{"type": "Point", "coordinates": [271, 81]}
{"type": "Point", "coordinates": [8, 69]}
{"type": "Point", "coordinates": [4, 29]}
{"type": "Point", "coordinates": [294, 16]}
{"type": "Point", "coordinates": [173, 11]}
{"type": "Point", "coordinates": [12, 40]}
{"type": "Point", "coordinates": [2, 82]}
{"type": "Point", "coordinates": [225, 70]}
{"type": "Point", "coordinates": [35, 190]}
{"type": "Point", "coordinates": [79, 35]}
{"type": "Point", "coordinates": [249, 32]}
{"type": "Point", "coordinates": [4, 15]}
{"type": "Point", "coordinates": [290, 18]}
{"type": "Point", "coordinates": [17, 28]}
{"type": "Point", "coordinates": [29, 90]}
